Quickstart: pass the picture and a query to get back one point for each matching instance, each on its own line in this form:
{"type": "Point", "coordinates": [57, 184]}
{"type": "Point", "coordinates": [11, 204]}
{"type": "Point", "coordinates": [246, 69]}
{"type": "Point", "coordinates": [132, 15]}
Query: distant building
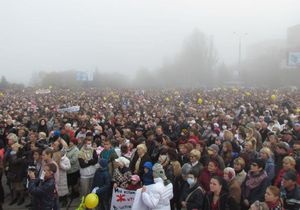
{"type": "Point", "coordinates": [293, 46]}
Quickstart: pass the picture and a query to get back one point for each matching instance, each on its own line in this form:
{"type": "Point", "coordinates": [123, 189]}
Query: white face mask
{"type": "Point", "coordinates": [13, 152]}
{"type": "Point", "coordinates": [89, 146]}
{"type": "Point", "coordinates": [224, 127]}
{"type": "Point", "coordinates": [191, 181]}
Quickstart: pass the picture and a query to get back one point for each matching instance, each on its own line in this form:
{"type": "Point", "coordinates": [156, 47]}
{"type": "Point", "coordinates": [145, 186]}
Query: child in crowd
{"type": "Point", "coordinates": [148, 176]}
{"type": "Point", "coordinates": [134, 183]}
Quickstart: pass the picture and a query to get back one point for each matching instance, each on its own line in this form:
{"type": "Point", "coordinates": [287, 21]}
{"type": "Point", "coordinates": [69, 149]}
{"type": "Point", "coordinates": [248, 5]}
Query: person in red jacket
{"type": "Point", "coordinates": [208, 172]}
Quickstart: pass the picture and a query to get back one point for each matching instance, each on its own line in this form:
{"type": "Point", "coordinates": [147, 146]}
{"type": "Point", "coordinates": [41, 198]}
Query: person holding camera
{"type": "Point", "coordinates": [43, 192]}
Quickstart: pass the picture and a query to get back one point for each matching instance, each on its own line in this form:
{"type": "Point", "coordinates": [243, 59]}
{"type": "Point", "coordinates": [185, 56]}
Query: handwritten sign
{"type": "Point", "coordinates": [122, 199]}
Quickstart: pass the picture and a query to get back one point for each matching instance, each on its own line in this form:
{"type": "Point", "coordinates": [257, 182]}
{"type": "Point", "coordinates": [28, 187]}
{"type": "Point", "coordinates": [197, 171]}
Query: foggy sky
{"type": "Point", "coordinates": [126, 35]}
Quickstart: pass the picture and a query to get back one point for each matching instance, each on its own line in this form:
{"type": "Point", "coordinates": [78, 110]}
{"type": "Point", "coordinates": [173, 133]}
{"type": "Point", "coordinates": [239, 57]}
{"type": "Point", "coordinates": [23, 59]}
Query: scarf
{"type": "Point", "coordinates": [86, 154]}
{"type": "Point", "coordinates": [275, 205]}
{"type": "Point", "coordinates": [254, 180]}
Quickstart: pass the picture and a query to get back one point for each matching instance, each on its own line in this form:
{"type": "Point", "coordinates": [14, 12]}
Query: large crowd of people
{"type": "Point", "coordinates": [222, 148]}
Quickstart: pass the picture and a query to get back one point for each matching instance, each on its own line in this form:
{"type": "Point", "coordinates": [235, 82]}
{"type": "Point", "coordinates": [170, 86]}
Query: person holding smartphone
{"type": "Point", "coordinates": [43, 191]}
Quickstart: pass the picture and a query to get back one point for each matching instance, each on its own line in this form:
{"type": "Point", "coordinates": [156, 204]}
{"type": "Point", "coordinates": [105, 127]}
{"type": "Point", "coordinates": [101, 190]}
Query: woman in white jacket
{"type": "Point", "coordinates": [158, 195]}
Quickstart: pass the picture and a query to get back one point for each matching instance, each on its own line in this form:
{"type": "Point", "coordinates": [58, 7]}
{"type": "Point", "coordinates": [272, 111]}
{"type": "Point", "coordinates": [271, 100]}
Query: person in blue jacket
{"type": "Point", "coordinates": [43, 191]}
{"type": "Point", "coordinates": [102, 185]}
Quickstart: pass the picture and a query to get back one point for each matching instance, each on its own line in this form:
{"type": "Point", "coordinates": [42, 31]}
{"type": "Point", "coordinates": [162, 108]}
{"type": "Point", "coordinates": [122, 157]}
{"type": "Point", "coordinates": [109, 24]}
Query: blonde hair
{"type": "Point", "coordinates": [228, 136]}
{"type": "Point", "coordinates": [176, 167]}
{"type": "Point", "coordinates": [290, 160]}
{"type": "Point", "coordinates": [13, 137]}
{"type": "Point", "coordinates": [240, 161]}
{"type": "Point", "coordinates": [42, 135]}
{"type": "Point", "coordinates": [195, 153]}
{"type": "Point", "coordinates": [274, 190]}
{"type": "Point", "coordinates": [267, 151]}
{"type": "Point", "coordinates": [142, 146]}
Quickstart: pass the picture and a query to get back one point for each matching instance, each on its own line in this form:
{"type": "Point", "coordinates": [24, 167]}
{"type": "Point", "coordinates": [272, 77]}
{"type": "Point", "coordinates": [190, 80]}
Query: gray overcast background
{"type": "Point", "coordinates": [125, 35]}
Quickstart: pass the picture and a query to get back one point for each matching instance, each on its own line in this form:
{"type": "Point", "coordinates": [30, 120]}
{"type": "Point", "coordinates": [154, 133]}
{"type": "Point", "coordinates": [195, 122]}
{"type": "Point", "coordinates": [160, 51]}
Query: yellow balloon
{"type": "Point", "coordinates": [199, 101]}
{"type": "Point", "coordinates": [91, 200]}
{"type": "Point", "coordinates": [273, 97]}
{"type": "Point", "coordinates": [248, 94]}
{"type": "Point", "coordinates": [167, 99]}
{"type": "Point", "coordinates": [1, 94]}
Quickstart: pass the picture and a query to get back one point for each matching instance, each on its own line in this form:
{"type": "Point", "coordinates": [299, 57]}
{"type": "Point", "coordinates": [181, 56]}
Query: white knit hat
{"type": "Point", "coordinates": [158, 171]}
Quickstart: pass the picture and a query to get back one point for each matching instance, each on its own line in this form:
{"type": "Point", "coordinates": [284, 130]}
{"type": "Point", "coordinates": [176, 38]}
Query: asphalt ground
{"type": "Point", "coordinates": [73, 205]}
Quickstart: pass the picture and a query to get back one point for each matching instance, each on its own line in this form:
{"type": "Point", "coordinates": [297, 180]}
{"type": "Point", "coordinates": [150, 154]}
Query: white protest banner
{"type": "Point", "coordinates": [122, 199]}
{"type": "Point", "coordinates": [42, 91]}
{"type": "Point", "coordinates": [69, 109]}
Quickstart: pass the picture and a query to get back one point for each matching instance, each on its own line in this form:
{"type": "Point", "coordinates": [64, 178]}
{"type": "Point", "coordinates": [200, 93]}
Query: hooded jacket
{"type": "Point", "coordinates": [158, 198]}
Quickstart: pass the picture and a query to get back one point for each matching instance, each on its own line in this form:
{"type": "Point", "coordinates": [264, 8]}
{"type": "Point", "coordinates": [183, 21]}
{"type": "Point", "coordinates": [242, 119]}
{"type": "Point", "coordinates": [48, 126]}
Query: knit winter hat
{"type": "Point", "coordinates": [148, 165]}
{"type": "Point", "coordinates": [214, 147]}
{"type": "Point", "coordinates": [158, 171]}
{"type": "Point", "coordinates": [124, 161]}
{"type": "Point", "coordinates": [230, 171]}
{"type": "Point", "coordinates": [135, 178]}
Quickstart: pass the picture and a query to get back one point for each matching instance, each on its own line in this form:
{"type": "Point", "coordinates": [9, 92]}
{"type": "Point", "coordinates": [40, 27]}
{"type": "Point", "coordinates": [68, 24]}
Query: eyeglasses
{"type": "Point", "coordinates": [253, 164]}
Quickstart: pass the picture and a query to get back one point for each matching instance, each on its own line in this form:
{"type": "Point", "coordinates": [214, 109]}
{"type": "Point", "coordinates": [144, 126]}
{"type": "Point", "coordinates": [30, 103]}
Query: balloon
{"type": "Point", "coordinates": [273, 97]}
{"type": "Point", "coordinates": [167, 99]}
{"type": "Point", "coordinates": [91, 200]}
{"type": "Point", "coordinates": [199, 101]}
{"type": "Point", "coordinates": [248, 94]}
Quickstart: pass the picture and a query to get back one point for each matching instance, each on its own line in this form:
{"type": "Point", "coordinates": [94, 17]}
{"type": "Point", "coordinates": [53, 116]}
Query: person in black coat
{"type": "Point", "coordinates": [195, 195]}
{"type": "Point", "coordinates": [255, 184]}
{"type": "Point", "coordinates": [140, 157]}
{"type": "Point", "coordinates": [43, 191]}
{"type": "Point", "coordinates": [217, 197]}
{"type": "Point", "coordinates": [102, 185]}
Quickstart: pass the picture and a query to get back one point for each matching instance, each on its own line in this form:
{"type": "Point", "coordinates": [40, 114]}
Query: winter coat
{"type": "Point", "coordinates": [110, 156]}
{"type": "Point", "coordinates": [234, 193]}
{"type": "Point", "coordinates": [62, 184]}
{"type": "Point", "coordinates": [240, 177]}
{"type": "Point", "coordinates": [122, 176]}
{"type": "Point", "coordinates": [291, 199]}
{"type": "Point", "coordinates": [102, 179]}
{"type": "Point", "coordinates": [158, 198]}
{"type": "Point", "coordinates": [222, 203]}
{"type": "Point", "coordinates": [147, 178]}
{"type": "Point", "coordinates": [88, 166]}
{"type": "Point", "coordinates": [270, 169]}
{"type": "Point", "coordinates": [205, 176]}
{"type": "Point", "coordinates": [43, 193]}
{"type": "Point", "coordinates": [72, 154]}
{"type": "Point", "coordinates": [144, 159]}
{"type": "Point", "coordinates": [195, 198]}
{"type": "Point", "coordinates": [258, 190]}
{"type": "Point", "coordinates": [16, 167]}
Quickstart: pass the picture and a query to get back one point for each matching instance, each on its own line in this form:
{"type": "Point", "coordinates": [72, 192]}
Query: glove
{"type": "Point", "coordinates": [95, 189]}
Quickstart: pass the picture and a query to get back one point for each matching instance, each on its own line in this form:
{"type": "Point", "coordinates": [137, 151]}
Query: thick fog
{"type": "Point", "coordinates": [137, 37]}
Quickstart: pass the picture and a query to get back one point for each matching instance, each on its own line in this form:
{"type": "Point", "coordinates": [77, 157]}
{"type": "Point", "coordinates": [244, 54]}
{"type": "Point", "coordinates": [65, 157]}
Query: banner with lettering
{"type": "Point", "coordinates": [69, 109]}
{"type": "Point", "coordinates": [122, 199]}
